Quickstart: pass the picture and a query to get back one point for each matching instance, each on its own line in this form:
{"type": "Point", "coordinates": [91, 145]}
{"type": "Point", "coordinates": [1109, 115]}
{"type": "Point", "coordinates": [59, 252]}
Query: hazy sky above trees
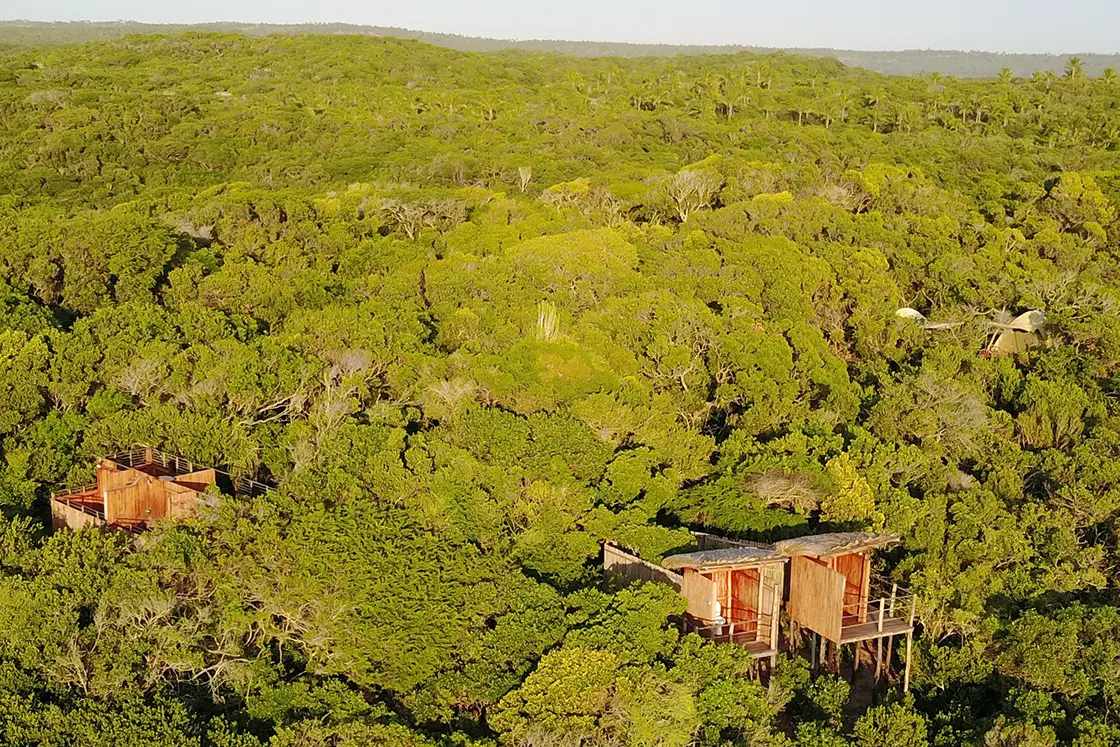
{"type": "Point", "coordinates": [991, 25]}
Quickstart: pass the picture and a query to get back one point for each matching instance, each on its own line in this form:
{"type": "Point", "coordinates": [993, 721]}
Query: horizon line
{"type": "Point", "coordinates": [741, 47]}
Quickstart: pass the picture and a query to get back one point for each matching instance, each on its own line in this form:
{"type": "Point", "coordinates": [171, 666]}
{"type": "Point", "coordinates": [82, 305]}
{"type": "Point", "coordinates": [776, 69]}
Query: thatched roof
{"type": "Point", "coordinates": [837, 543]}
{"type": "Point", "coordinates": [727, 557]}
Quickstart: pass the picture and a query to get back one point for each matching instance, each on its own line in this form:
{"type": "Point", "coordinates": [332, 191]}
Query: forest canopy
{"type": "Point", "coordinates": [474, 315]}
{"type": "Point", "coordinates": [973, 64]}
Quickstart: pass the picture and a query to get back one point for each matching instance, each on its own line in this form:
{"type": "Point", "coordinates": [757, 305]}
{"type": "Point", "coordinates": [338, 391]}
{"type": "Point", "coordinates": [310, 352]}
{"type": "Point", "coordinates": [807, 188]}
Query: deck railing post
{"type": "Point", "coordinates": [879, 641]}
{"type": "Point", "coordinates": [890, 639]}
{"type": "Point", "coordinates": [775, 614]}
{"type": "Point", "coordinates": [909, 643]}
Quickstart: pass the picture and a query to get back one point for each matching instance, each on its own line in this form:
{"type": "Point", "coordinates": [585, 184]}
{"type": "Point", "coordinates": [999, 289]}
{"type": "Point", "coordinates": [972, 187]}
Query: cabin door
{"type": "Point", "coordinates": [855, 568]}
{"type": "Point", "coordinates": [745, 590]}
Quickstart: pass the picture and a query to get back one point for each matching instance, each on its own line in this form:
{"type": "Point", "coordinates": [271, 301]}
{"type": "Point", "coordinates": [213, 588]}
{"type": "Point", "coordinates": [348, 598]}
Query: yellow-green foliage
{"type": "Point", "coordinates": [475, 315]}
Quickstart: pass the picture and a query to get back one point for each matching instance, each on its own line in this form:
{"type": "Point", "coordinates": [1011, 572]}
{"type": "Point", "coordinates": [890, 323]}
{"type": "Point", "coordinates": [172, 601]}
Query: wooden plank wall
{"type": "Point", "coordinates": [744, 593]}
{"type": "Point", "coordinates": [816, 597]}
{"type": "Point", "coordinates": [707, 541]}
{"type": "Point", "coordinates": [701, 595]}
{"type": "Point", "coordinates": [67, 516]}
{"type": "Point", "coordinates": [182, 501]}
{"type": "Point", "coordinates": [198, 480]}
{"type": "Point", "coordinates": [618, 562]}
{"type": "Point", "coordinates": [856, 571]}
{"type": "Point", "coordinates": [132, 496]}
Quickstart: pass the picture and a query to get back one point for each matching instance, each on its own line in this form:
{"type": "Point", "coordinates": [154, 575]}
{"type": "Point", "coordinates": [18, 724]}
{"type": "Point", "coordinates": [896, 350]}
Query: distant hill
{"type": "Point", "coordinates": [907, 62]}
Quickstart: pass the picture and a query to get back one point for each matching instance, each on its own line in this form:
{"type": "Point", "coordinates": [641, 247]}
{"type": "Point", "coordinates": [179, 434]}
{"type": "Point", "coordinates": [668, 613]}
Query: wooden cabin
{"type": "Point", "coordinates": [831, 592]}
{"type": "Point", "coordinates": [733, 589]}
{"type": "Point", "coordinates": [138, 488]}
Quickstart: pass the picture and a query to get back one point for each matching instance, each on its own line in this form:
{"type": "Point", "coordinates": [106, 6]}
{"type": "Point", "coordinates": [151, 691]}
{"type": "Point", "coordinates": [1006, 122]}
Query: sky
{"type": "Point", "coordinates": [990, 25]}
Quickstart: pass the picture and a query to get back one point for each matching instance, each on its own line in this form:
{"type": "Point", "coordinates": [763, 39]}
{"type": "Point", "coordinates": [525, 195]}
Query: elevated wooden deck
{"type": "Point", "coordinates": [744, 635]}
{"type": "Point", "coordinates": [869, 631]}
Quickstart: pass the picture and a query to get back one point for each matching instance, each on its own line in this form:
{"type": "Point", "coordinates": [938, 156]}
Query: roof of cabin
{"type": "Point", "coordinates": [722, 558]}
{"type": "Point", "coordinates": [837, 543]}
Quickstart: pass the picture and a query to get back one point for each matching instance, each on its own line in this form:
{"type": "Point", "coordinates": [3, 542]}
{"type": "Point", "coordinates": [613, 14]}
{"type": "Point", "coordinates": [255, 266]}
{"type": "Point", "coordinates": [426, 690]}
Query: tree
{"type": "Point", "coordinates": [1074, 69]}
{"type": "Point", "coordinates": [692, 190]}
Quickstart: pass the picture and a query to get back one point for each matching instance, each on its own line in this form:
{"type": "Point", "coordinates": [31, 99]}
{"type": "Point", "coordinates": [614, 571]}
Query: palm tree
{"type": "Point", "coordinates": [873, 99]}
{"type": "Point", "coordinates": [803, 106]}
{"type": "Point", "coordinates": [1074, 68]}
{"type": "Point", "coordinates": [1006, 76]}
{"type": "Point", "coordinates": [978, 107]}
{"type": "Point", "coordinates": [1108, 75]}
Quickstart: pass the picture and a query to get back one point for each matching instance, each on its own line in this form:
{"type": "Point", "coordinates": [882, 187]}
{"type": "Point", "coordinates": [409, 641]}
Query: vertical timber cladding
{"type": "Point", "coordinates": [745, 590]}
{"type": "Point", "coordinates": [856, 569]}
{"type": "Point", "coordinates": [182, 502]}
{"type": "Point", "coordinates": [701, 595]}
{"type": "Point", "coordinates": [816, 597]}
{"type": "Point", "coordinates": [132, 496]}
{"type": "Point", "coordinates": [198, 480]}
{"type": "Point", "coordinates": [617, 562]}
{"type": "Point", "coordinates": [183, 493]}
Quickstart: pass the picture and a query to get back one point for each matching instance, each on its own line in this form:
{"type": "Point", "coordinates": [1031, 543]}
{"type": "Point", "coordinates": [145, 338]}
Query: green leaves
{"type": "Point", "coordinates": [566, 695]}
{"type": "Point", "coordinates": [23, 379]}
{"type": "Point", "coordinates": [477, 314]}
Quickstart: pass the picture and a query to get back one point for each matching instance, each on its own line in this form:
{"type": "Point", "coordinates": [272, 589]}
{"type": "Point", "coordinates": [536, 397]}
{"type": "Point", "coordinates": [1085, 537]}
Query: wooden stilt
{"type": "Point", "coordinates": [813, 653]}
{"type": "Point", "coordinates": [878, 658]}
{"type": "Point", "coordinates": [906, 675]}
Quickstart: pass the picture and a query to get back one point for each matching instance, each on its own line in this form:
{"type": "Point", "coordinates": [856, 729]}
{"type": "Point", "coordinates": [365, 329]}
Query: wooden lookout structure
{"type": "Point", "coordinates": [831, 594]}
{"type": "Point", "coordinates": [733, 589]}
{"type": "Point", "coordinates": [140, 487]}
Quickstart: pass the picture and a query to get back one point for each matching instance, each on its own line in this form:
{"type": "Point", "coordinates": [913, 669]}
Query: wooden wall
{"type": "Point", "coordinates": [618, 562]}
{"type": "Point", "coordinates": [67, 516]}
{"type": "Point", "coordinates": [198, 480]}
{"type": "Point", "coordinates": [706, 541]}
{"type": "Point", "coordinates": [856, 569]}
{"type": "Point", "coordinates": [132, 497]}
{"type": "Point", "coordinates": [701, 594]}
{"type": "Point", "coordinates": [816, 597]}
{"type": "Point", "coordinates": [745, 588]}
{"type": "Point", "coordinates": [182, 502]}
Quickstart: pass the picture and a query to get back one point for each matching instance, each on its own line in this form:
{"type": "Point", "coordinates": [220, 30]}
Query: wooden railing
{"type": "Point", "coordinates": [70, 499]}
{"type": "Point", "coordinates": [734, 630]}
{"type": "Point", "coordinates": [746, 630]}
{"type": "Point", "coordinates": [141, 455]}
{"type": "Point", "coordinates": [886, 609]}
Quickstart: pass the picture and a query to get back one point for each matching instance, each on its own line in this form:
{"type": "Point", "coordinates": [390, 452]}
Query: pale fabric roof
{"type": "Point", "coordinates": [722, 558]}
{"type": "Point", "coordinates": [836, 543]}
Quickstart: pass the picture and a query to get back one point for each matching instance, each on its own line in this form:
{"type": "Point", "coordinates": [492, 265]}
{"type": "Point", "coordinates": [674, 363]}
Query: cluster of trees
{"type": "Point", "coordinates": [476, 314]}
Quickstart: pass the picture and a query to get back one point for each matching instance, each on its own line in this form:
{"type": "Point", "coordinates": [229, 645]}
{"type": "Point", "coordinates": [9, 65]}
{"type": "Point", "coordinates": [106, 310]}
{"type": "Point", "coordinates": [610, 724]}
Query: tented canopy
{"type": "Point", "coordinates": [723, 558]}
{"type": "Point", "coordinates": [837, 543]}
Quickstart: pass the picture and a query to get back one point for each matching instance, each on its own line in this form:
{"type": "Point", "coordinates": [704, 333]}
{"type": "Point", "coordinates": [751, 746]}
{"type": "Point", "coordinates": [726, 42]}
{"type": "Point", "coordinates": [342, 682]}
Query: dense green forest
{"type": "Point", "coordinates": [962, 64]}
{"type": "Point", "coordinates": [474, 314]}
